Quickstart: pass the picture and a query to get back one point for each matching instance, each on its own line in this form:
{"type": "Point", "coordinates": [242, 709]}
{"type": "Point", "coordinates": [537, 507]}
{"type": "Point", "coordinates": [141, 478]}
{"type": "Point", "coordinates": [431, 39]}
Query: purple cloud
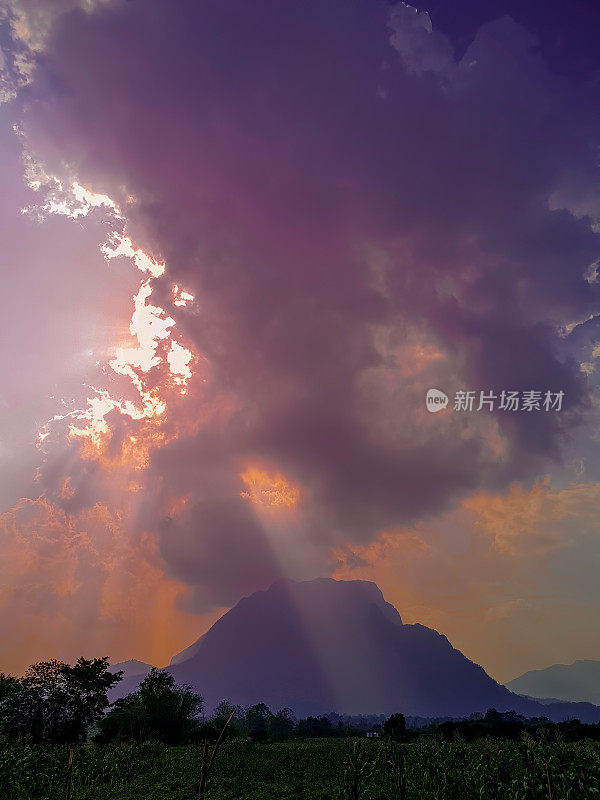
{"type": "Point", "coordinates": [342, 197]}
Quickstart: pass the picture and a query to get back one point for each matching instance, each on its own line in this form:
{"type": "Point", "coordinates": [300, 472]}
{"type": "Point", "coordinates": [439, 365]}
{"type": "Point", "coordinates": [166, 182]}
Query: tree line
{"type": "Point", "coordinates": [58, 703]}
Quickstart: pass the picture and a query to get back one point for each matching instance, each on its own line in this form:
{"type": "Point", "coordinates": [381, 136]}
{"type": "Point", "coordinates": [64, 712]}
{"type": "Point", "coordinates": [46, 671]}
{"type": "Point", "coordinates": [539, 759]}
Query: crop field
{"type": "Point", "coordinates": [317, 769]}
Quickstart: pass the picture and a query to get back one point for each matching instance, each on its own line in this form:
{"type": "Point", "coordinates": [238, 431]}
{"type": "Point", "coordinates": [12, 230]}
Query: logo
{"type": "Point", "coordinates": [435, 400]}
{"type": "Point", "coordinates": [506, 401]}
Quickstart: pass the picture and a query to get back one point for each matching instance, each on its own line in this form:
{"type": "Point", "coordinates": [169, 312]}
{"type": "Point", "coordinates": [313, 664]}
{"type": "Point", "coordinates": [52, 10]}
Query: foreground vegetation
{"type": "Point", "coordinates": [427, 768]}
{"type": "Point", "coordinates": [59, 738]}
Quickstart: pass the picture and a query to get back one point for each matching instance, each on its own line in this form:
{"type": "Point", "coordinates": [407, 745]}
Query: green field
{"type": "Point", "coordinates": [323, 769]}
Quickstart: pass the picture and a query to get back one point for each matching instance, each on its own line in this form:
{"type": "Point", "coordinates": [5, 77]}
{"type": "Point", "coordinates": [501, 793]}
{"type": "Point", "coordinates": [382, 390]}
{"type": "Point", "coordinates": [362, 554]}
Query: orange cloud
{"type": "Point", "coordinates": [539, 519]}
{"type": "Point", "coordinates": [85, 584]}
{"type": "Point", "coordinates": [389, 546]}
{"type": "Point", "coordinates": [270, 489]}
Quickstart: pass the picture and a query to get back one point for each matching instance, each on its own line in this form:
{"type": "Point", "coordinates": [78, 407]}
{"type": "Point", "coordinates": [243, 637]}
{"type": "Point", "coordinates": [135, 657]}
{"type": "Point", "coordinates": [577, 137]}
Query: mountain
{"type": "Point", "coordinates": [131, 669]}
{"type": "Point", "coordinates": [134, 672]}
{"type": "Point", "coordinates": [325, 645]}
{"type": "Point", "coordinates": [579, 681]}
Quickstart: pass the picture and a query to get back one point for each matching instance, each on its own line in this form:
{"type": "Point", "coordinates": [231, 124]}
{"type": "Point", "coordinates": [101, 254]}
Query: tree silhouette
{"type": "Point", "coordinates": [55, 702]}
{"type": "Point", "coordinates": [258, 718]}
{"type": "Point", "coordinates": [394, 728]}
{"type": "Point", "coordinates": [160, 710]}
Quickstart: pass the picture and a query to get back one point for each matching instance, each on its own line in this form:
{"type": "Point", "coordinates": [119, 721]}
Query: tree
{"type": "Point", "coordinates": [281, 724]}
{"type": "Point", "coordinates": [394, 728]}
{"type": "Point", "coordinates": [126, 720]}
{"type": "Point", "coordinates": [10, 722]}
{"type": "Point", "coordinates": [258, 718]}
{"type": "Point", "coordinates": [160, 710]}
{"type": "Point", "coordinates": [44, 702]}
{"type": "Point", "coordinates": [9, 687]}
{"type": "Point", "coordinates": [314, 727]}
{"type": "Point", "coordinates": [87, 684]}
{"type": "Point", "coordinates": [55, 702]}
{"type": "Point", "coordinates": [222, 713]}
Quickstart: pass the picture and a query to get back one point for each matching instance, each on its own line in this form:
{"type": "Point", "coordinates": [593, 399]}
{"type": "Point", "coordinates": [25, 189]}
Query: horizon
{"type": "Point", "coordinates": [197, 638]}
{"type": "Point", "coordinates": [318, 301]}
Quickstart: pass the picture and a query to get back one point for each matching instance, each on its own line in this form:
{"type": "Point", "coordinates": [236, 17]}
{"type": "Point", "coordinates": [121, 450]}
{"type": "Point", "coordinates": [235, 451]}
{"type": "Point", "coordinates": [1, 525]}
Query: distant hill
{"type": "Point", "coordinates": [131, 668]}
{"type": "Point", "coordinates": [579, 681]}
{"type": "Point", "coordinates": [325, 645]}
{"type": "Point", "coordinates": [134, 673]}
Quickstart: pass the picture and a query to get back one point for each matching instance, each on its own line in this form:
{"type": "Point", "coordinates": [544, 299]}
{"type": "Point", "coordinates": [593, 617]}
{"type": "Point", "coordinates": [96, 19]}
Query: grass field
{"type": "Point", "coordinates": [318, 769]}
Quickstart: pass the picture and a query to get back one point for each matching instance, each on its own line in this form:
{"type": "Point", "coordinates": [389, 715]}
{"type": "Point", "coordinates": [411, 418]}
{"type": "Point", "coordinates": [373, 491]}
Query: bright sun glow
{"type": "Point", "coordinates": [153, 361]}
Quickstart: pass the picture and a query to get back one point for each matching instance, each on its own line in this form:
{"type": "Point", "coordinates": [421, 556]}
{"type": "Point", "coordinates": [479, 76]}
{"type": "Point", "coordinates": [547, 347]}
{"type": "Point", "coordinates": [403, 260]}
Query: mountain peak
{"type": "Point", "coordinates": [349, 597]}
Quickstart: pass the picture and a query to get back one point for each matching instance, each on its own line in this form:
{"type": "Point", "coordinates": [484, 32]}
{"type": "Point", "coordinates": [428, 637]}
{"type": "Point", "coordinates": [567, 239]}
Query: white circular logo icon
{"type": "Point", "coordinates": [435, 400]}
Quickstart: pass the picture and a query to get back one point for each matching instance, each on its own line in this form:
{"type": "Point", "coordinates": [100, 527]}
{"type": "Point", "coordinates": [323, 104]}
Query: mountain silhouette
{"type": "Point", "coordinates": [134, 672]}
{"type": "Point", "coordinates": [325, 645]}
{"type": "Point", "coordinates": [131, 669]}
{"type": "Point", "coordinates": [579, 681]}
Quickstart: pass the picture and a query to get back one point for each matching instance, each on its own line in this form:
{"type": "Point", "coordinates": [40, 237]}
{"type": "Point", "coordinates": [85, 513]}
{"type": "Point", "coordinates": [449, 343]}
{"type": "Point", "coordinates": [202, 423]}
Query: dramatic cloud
{"type": "Point", "coordinates": [332, 210]}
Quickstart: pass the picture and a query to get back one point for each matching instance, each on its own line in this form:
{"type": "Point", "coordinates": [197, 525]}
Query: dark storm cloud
{"type": "Point", "coordinates": [332, 185]}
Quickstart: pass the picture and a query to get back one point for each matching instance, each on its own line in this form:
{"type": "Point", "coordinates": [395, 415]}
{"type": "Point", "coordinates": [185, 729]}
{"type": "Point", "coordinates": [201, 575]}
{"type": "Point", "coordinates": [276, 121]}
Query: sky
{"type": "Point", "coordinates": [239, 242]}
